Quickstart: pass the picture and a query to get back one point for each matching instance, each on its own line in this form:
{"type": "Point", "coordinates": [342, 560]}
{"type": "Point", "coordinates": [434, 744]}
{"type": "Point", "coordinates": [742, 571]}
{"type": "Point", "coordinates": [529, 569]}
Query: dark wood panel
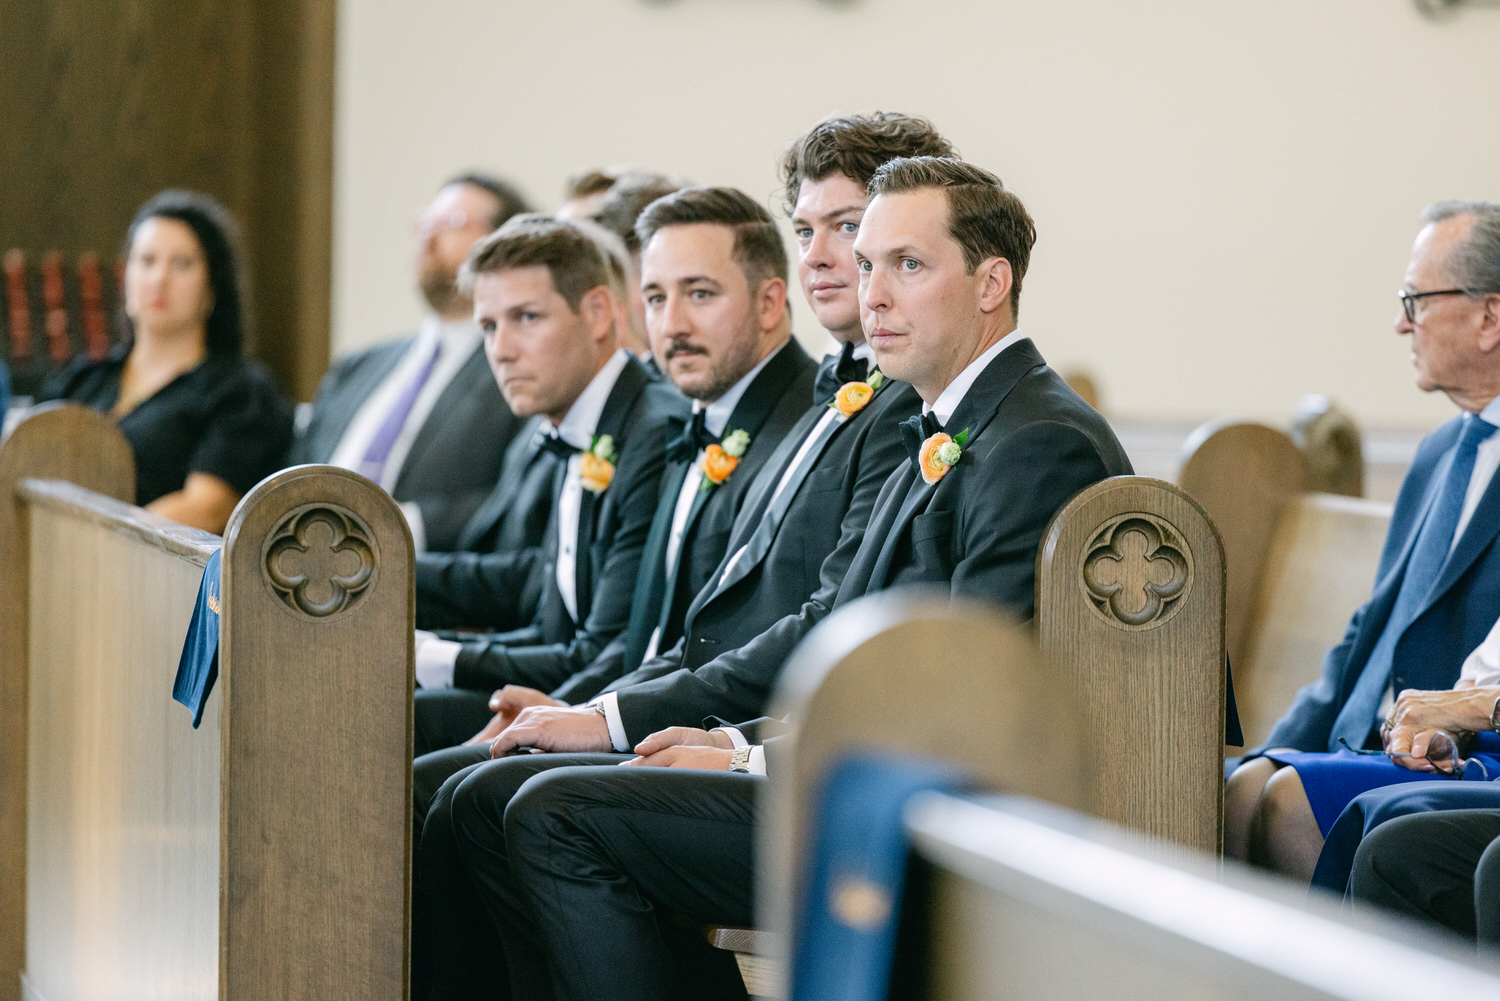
{"type": "Point", "coordinates": [103, 105]}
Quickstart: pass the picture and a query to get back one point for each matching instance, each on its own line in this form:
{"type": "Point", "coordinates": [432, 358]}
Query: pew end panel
{"type": "Point", "coordinates": [1320, 566]}
{"type": "Point", "coordinates": [54, 441]}
{"type": "Point", "coordinates": [903, 672]}
{"type": "Point", "coordinates": [1130, 608]}
{"type": "Point", "coordinates": [316, 660]}
{"type": "Point", "coordinates": [1242, 474]}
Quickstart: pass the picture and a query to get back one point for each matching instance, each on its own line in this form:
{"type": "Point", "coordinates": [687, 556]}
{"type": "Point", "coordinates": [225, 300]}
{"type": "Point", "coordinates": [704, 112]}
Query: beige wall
{"type": "Point", "coordinates": [1225, 192]}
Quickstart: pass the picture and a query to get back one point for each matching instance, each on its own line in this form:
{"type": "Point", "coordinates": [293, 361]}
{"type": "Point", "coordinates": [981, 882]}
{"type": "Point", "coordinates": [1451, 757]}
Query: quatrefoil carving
{"type": "Point", "coordinates": [320, 561]}
{"type": "Point", "coordinates": [1137, 571]}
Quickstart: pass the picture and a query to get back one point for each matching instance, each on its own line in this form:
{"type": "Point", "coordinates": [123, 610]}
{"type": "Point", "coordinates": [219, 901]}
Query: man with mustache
{"type": "Point", "coordinates": [713, 272]}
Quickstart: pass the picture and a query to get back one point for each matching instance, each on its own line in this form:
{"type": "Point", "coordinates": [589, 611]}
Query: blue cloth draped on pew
{"type": "Point", "coordinates": [198, 667]}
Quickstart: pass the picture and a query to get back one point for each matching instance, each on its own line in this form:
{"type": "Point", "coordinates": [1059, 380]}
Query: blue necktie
{"type": "Point", "coordinates": [1434, 542]}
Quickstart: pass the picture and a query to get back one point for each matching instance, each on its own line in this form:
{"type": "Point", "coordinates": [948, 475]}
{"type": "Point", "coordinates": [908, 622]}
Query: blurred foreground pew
{"type": "Point", "coordinates": [265, 855]}
{"type": "Point", "coordinates": [1022, 896]}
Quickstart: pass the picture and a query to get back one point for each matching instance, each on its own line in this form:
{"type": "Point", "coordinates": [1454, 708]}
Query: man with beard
{"type": "Point", "coordinates": [422, 416]}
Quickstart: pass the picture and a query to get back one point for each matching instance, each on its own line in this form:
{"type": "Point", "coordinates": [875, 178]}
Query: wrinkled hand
{"type": "Point", "coordinates": [506, 704]}
{"type": "Point", "coordinates": [1425, 726]}
{"type": "Point", "coordinates": [688, 756]}
{"type": "Point", "coordinates": [685, 747]}
{"type": "Point", "coordinates": [1428, 749]}
{"type": "Point", "coordinates": [554, 728]}
{"type": "Point", "coordinates": [681, 736]}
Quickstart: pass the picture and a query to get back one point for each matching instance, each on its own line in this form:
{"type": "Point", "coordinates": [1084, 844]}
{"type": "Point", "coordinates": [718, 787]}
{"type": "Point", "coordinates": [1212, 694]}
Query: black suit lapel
{"type": "Point", "coordinates": [525, 450]}
{"type": "Point", "coordinates": [651, 585]}
{"type": "Point", "coordinates": [973, 414]}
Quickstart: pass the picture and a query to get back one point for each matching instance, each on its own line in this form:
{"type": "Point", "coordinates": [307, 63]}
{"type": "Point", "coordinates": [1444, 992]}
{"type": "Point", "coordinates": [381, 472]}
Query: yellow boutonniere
{"type": "Point", "coordinates": [596, 464]}
{"type": "Point", "coordinates": [720, 460]}
{"type": "Point", "coordinates": [853, 396]}
{"type": "Point", "coordinates": [941, 453]}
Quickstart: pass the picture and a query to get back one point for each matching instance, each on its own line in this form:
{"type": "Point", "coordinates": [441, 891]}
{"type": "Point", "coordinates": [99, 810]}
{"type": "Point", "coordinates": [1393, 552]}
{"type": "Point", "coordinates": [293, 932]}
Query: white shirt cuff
{"type": "Point", "coordinates": [435, 660]}
{"type": "Point", "coordinates": [757, 762]}
{"type": "Point", "coordinates": [611, 704]}
{"type": "Point", "coordinates": [735, 737]}
{"type": "Point", "coordinates": [416, 524]}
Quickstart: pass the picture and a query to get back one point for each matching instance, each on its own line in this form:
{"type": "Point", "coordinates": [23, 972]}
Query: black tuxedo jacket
{"type": "Point", "coordinates": [501, 545]}
{"type": "Point", "coordinates": [455, 457]}
{"type": "Point", "coordinates": [1033, 444]}
{"type": "Point", "coordinates": [612, 529]}
{"type": "Point", "coordinates": [740, 630]}
{"type": "Point", "coordinates": [767, 410]}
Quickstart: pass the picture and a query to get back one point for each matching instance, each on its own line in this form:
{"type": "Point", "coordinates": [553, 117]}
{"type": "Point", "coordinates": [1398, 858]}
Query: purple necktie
{"type": "Point", "coordinates": [373, 464]}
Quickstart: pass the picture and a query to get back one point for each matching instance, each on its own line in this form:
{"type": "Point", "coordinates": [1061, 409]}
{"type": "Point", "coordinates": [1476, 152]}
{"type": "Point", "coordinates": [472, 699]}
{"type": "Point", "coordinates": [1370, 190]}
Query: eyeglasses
{"type": "Point", "coordinates": [1442, 754]}
{"type": "Point", "coordinates": [428, 223]}
{"type": "Point", "coordinates": [1409, 300]}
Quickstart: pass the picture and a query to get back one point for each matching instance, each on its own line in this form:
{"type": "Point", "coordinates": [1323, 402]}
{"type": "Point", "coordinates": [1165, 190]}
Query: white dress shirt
{"type": "Point", "coordinates": [457, 340]}
{"type": "Point", "coordinates": [948, 400]}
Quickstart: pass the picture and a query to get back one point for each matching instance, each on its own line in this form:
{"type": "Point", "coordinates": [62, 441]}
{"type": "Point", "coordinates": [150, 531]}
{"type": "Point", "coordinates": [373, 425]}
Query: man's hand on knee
{"type": "Point", "coordinates": [554, 728]}
{"type": "Point", "coordinates": [506, 704]}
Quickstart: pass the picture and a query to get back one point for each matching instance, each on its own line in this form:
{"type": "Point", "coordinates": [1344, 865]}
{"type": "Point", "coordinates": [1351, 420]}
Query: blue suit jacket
{"type": "Point", "coordinates": [1455, 617]}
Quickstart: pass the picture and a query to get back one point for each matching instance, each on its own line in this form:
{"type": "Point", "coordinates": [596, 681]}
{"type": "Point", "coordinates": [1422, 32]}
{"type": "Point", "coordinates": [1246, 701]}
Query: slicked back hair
{"type": "Point", "coordinates": [758, 249]}
{"type": "Point", "coordinates": [1474, 263]}
{"type": "Point", "coordinates": [511, 201]}
{"type": "Point", "coordinates": [984, 219]}
{"type": "Point", "coordinates": [856, 146]}
{"type": "Point", "coordinates": [571, 256]}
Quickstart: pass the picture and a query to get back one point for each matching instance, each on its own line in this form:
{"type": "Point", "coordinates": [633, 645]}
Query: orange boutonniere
{"type": "Point", "coordinates": [720, 460]}
{"type": "Point", "coordinates": [853, 396]}
{"type": "Point", "coordinates": [596, 464]}
{"type": "Point", "coordinates": [941, 453]}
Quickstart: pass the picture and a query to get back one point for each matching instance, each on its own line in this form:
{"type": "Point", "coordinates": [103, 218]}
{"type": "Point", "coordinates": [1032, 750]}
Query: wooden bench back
{"type": "Point", "coordinates": [1023, 901]}
{"type": "Point", "coordinates": [1130, 608]}
{"type": "Point", "coordinates": [1319, 567]}
{"type": "Point", "coordinates": [266, 854]}
{"type": "Point", "coordinates": [1242, 474]}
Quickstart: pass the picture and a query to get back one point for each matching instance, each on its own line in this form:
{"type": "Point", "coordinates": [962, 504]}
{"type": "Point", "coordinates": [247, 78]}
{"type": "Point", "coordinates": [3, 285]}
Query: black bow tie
{"type": "Point", "coordinates": [552, 443]}
{"type": "Point", "coordinates": [694, 435]}
{"type": "Point", "coordinates": [915, 430]}
{"type": "Point", "coordinates": [834, 372]}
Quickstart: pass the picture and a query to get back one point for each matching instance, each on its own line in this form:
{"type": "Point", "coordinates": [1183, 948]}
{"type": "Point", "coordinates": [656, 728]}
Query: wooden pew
{"type": "Point", "coordinates": [266, 854]}
{"type": "Point", "coordinates": [1016, 897]}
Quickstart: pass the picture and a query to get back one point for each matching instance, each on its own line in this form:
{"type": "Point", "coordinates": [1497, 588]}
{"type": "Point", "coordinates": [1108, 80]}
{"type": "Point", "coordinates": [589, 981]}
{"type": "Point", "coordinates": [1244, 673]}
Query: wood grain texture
{"type": "Point", "coordinates": [895, 672]}
{"type": "Point", "coordinates": [65, 442]}
{"type": "Point", "coordinates": [105, 105]}
{"type": "Point", "coordinates": [1242, 474]}
{"type": "Point", "coordinates": [1130, 607]}
{"type": "Point", "coordinates": [316, 744]}
{"type": "Point", "coordinates": [1319, 568]}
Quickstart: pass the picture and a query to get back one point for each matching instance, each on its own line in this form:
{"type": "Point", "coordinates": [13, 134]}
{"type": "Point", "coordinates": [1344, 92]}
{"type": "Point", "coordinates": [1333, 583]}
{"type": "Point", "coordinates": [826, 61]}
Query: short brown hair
{"type": "Point", "coordinates": [628, 198]}
{"type": "Point", "coordinates": [571, 256]}
{"type": "Point", "coordinates": [856, 146]}
{"type": "Point", "coordinates": [758, 249]}
{"type": "Point", "coordinates": [984, 219]}
{"type": "Point", "coordinates": [510, 200]}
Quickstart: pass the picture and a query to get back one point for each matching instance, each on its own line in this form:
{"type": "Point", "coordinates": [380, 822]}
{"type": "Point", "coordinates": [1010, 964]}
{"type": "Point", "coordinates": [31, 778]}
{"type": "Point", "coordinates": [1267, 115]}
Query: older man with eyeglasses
{"type": "Point", "coordinates": [1437, 590]}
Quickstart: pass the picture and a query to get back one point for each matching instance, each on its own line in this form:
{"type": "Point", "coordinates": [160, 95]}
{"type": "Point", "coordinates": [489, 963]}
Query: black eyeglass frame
{"type": "Point", "coordinates": [1409, 299]}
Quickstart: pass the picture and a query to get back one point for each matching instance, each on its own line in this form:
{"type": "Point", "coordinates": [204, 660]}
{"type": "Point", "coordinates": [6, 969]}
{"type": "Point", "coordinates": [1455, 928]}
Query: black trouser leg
{"type": "Point", "coordinates": [1424, 865]}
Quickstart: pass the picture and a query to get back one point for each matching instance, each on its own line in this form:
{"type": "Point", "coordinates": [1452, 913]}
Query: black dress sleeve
{"type": "Point", "coordinates": [247, 428]}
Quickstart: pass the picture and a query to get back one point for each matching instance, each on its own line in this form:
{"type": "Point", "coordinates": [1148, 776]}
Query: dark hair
{"type": "Point", "coordinates": [1474, 262]}
{"type": "Point", "coordinates": [984, 219]}
{"type": "Point", "coordinates": [218, 235]}
{"type": "Point", "coordinates": [512, 202]}
{"type": "Point", "coordinates": [856, 146]}
{"type": "Point", "coordinates": [590, 182]}
{"type": "Point", "coordinates": [757, 243]}
{"type": "Point", "coordinates": [627, 198]}
{"type": "Point", "coordinates": [570, 255]}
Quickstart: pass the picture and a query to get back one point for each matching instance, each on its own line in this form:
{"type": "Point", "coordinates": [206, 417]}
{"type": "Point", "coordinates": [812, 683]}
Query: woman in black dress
{"type": "Point", "coordinates": [205, 423]}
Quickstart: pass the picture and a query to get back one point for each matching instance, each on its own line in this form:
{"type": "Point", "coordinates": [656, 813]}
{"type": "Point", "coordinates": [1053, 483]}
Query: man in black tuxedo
{"type": "Point", "coordinates": [542, 297]}
{"type": "Point", "coordinates": [422, 416]}
{"type": "Point", "coordinates": [942, 250]}
{"type": "Point", "coordinates": [714, 280]}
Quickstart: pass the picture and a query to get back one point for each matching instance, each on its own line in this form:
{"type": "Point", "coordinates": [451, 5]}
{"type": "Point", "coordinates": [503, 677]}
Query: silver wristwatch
{"type": "Point", "coordinates": [740, 761]}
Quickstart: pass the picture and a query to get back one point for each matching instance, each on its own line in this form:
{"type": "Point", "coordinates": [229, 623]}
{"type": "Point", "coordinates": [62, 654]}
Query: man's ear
{"type": "Point", "coordinates": [597, 307]}
{"type": "Point", "coordinates": [1489, 322]}
{"type": "Point", "coordinates": [770, 303]}
{"type": "Point", "coordinates": [994, 279]}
